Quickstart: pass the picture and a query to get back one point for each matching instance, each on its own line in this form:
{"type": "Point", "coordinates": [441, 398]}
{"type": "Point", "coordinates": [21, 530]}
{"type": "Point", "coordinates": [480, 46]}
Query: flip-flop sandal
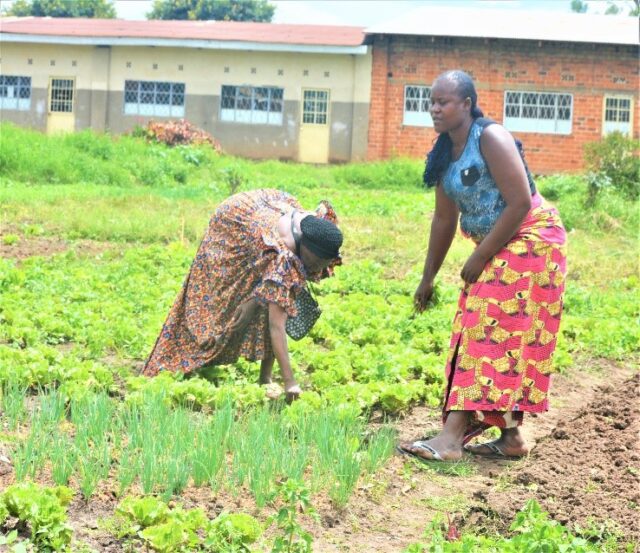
{"type": "Point", "coordinates": [424, 446]}
{"type": "Point", "coordinates": [494, 452]}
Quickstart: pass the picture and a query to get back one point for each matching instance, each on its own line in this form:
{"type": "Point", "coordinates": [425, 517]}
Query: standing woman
{"type": "Point", "coordinates": [259, 251]}
{"type": "Point", "coordinates": [504, 331]}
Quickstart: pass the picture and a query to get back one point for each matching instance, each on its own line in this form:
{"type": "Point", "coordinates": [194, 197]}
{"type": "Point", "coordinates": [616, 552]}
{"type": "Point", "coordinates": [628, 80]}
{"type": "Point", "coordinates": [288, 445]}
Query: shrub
{"type": "Point", "coordinates": [613, 163]}
{"type": "Point", "coordinates": [174, 133]}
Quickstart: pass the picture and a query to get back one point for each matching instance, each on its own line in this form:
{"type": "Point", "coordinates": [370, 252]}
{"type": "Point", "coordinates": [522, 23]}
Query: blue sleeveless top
{"type": "Point", "coordinates": [468, 182]}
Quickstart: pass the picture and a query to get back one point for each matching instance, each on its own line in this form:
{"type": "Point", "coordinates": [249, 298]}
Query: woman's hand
{"type": "Point", "coordinates": [292, 391]}
{"type": "Point", "coordinates": [473, 267]}
{"type": "Point", "coordinates": [243, 316]}
{"type": "Point", "coordinates": [423, 295]}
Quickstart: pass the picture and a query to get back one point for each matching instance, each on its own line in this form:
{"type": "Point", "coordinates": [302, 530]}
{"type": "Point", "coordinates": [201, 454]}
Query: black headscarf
{"type": "Point", "coordinates": [321, 237]}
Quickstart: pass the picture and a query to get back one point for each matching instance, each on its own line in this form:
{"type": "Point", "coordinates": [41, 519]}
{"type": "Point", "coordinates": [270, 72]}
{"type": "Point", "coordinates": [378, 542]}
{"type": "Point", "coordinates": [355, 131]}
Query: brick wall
{"type": "Point", "coordinates": [587, 71]}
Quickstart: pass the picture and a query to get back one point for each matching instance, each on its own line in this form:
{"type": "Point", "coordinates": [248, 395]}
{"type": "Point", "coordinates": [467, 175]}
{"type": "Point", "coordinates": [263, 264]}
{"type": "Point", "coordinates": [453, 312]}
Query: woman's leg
{"type": "Point", "coordinates": [266, 368]}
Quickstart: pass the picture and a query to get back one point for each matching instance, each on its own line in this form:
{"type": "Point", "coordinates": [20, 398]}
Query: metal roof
{"type": "Point", "coordinates": [513, 24]}
{"type": "Point", "coordinates": [195, 34]}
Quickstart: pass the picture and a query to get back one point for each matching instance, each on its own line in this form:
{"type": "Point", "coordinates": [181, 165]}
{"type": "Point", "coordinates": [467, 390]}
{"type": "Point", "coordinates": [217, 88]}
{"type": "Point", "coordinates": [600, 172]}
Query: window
{"type": "Point", "coordinates": [15, 92]}
{"type": "Point", "coordinates": [61, 96]}
{"type": "Point", "coordinates": [258, 105]}
{"type": "Point", "coordinates": [315, 107]}
{"type": "Point", "coordinates": [617, 114]}
{"type": "Point", "coordinates": [542, 112]}
{"type": "Point", "coordinates": [417, 100]}
{"type": "Point", "coordinates": [155, 98]}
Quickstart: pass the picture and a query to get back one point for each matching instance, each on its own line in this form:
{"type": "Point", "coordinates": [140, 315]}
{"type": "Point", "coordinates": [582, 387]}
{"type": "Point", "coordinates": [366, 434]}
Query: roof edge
{"type": "Point", "coordinates": [361, 49]}
{"type": "Point", "coordinates": [369, 35]}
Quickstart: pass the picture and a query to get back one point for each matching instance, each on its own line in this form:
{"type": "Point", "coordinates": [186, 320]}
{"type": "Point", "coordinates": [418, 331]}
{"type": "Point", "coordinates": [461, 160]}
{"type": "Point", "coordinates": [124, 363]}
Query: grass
{"type": "Point", "coordinates": [446, 504]}
{"type": "Point", "coordinates": [462, 468]}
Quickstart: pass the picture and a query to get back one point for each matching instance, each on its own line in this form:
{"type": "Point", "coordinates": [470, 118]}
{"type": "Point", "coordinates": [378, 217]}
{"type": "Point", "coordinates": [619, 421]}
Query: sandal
{"type": "Point", "coordinates": [495, 452]}
{"type": "Point", "coordinates": [421, 444]}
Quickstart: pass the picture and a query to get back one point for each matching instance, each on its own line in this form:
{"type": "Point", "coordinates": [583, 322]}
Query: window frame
{"type": "Point", "coordinates": [420, 117]}
{"type": "Point", "coordinates": [539, 125]}
{"type": "Point", "coordinates": [147, 89]}
{"type": "Point", "coordinates": [610, 126]}
{"type": "Point", "coordinates": [61, 101]}
{"type": "Point", "coordinates": [247, 103]}
{"type": "Point", "coordinates": [314, 113]}
{"type": "Point", "coordinates": [15, 102]}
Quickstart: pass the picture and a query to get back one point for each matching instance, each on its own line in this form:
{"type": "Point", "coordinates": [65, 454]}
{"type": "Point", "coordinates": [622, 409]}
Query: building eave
{"type": "Point", "coordinates": [181, 43]}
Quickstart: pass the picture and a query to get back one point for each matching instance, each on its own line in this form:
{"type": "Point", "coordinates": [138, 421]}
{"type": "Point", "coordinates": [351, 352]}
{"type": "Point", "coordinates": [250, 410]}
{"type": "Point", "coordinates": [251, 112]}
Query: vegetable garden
{"type": "Point", "coordinates": [96, 235]}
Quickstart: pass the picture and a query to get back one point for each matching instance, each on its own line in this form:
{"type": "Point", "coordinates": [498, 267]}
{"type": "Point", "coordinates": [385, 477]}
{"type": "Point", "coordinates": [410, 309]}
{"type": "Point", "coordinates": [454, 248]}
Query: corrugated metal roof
{"type": "Point", "coordinates": [218, 31]}
{"type": "Point", "coordinates": [513, 24]}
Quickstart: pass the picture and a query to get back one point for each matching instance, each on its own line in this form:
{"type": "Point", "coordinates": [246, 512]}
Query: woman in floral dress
{"type": "Point", "coordinates": [258, 252]}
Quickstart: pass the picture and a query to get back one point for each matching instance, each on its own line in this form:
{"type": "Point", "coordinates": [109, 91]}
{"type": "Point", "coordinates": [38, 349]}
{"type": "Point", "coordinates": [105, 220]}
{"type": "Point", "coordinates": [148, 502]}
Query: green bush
{"type": "Point", "coordinates": [613, 163]}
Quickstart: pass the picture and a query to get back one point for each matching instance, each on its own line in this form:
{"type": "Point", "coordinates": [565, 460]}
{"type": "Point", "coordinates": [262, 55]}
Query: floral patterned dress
{"type": "Point", "coordinates": [242, 256]}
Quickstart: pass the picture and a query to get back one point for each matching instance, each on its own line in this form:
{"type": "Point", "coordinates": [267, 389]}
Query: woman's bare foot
{"type": "Point", "coordinates": [446, 446]}
{"type": "Point", "coordinates": [435, 449]}
{"type": "Point", "coordinates": [510, 444]}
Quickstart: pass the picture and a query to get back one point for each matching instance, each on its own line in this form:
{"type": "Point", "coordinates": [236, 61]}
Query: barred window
{"type": "Point", "coordinates": [617, 114]}
{"type": "Point", "coordinates": [315, 107]}
{"type": "Point", "coordinates": [417, 101]}
{"type": "Point", "coordinates": [257, 105]}
{"type": "Point", "coordinates": [15, 92]}
{"type": "Point", "coordinates": [540, 112]}
{"type": "Point", "coordinates": [154, 98]}
{"type": "Point", "coordinates": [61, 96]}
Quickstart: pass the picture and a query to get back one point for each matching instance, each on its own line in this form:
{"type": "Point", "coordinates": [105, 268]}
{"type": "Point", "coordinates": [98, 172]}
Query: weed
{"type": "Point", "coordinates": [533, 531]}
{"type": "Point", "coordinates": [294, 538]}
{"type": "Point", "coordinates": [10, 239]}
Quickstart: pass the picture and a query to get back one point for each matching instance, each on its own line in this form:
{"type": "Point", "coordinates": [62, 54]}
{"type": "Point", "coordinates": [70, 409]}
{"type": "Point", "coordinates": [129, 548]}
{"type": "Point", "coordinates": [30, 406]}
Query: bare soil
{"type": "Point", "coordinates": [45, 246]}
{"type": "Point", "coordinates": [588, 467]}
{"type": "Point", "coordinates": [584, 467]}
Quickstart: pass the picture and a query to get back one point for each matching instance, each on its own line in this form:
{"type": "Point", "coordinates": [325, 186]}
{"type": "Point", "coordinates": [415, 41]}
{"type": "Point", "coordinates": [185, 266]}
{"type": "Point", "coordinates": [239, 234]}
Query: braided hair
{"type": "Point", "coordinates": [439, 157]}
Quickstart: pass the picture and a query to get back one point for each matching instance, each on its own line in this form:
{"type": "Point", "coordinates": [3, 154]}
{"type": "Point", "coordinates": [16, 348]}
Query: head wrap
{"type": "Point", "coordinates": [321, 237]}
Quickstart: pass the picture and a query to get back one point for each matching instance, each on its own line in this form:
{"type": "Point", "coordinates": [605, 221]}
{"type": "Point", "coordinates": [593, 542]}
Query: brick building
{"type": "Point", "coordinates": [325, 93]}
{"type": "Point", "coordinates": [557, 81]}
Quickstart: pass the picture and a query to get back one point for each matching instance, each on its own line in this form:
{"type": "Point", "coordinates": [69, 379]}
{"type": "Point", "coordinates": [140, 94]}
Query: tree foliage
{"type": "Point", "coordinates": [103, 9]}
{"type": "Point", "coordinates": [579, 6]}
{"type": "Point", "coordinates": [613, 7]}
{"type": "Point", "coordinates": [220, 10]}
